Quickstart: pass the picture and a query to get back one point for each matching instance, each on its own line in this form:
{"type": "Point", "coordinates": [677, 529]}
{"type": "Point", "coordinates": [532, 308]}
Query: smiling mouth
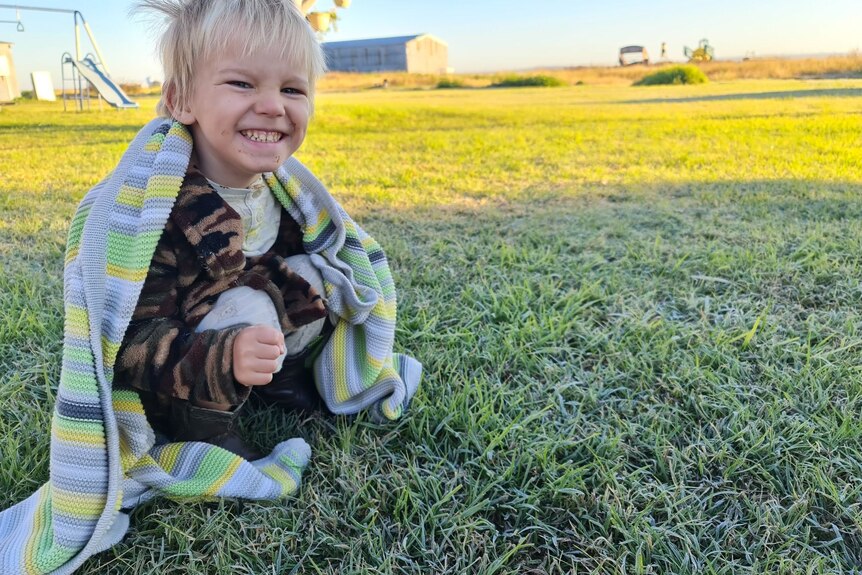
{"type": "Point", "coordinates": [262, 136]}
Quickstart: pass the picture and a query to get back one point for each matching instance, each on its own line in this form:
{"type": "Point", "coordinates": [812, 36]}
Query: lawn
{"type": "Point", "coordinates": [639, 312]}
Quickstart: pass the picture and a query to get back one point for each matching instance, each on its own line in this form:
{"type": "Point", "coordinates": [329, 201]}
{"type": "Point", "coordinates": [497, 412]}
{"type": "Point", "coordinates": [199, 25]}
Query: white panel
{"type": "Point", "coordinates": [4, 65]}
{"type": "Point", "coordinates": [43, 86]}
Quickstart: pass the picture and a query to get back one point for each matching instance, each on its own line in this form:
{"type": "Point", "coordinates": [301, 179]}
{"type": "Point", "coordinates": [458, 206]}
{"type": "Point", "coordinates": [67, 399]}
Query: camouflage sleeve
{"type": "Point", "coordinates": [162, 354]}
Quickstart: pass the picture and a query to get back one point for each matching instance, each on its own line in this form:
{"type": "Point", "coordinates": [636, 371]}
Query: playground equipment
{"type": "Point", "coordinates": [321, 21]}
{"type": "Point", "coordinates": [17, 20]}
{"type": "Point", "coordinates": [641, 57]}
{"type": "Point", "coordinates": [84, 71]}
{"type": "Point", "coordinates": [703, 52]}
{"type": "Point", "coordinates": [90, 70]}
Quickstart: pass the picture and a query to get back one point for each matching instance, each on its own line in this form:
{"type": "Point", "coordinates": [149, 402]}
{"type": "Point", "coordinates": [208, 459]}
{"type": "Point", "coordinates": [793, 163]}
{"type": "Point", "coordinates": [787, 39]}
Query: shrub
{"type": "Point", "coordinates": [132, 89]}
{"type": "Point", "coordinates": [446, 83]}
{"type": "Point", "coordinates": [687, 74]}
{"type": "Point", "coordinates": [521, 81]}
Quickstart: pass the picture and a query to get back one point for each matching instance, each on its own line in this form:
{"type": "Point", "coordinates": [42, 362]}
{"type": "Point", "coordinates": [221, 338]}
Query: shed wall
{"type": "Point", "coordinates": [367, 59]}
{"type": "Point", "coordinates": [9, 89]}
{"type": "Point", "coordinates": [427, 56]}
{"type": "Point", "coordinates": [420, 55]}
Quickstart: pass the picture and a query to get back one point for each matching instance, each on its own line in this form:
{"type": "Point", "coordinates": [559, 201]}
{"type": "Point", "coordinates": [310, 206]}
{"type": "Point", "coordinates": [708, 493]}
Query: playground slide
{"type": "Point", "coordinates": [106, 87]}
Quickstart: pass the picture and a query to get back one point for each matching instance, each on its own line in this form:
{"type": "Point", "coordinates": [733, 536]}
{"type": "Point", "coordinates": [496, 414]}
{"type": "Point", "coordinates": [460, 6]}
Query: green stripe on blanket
{"type": "Point", "coordinates": [103, 456]}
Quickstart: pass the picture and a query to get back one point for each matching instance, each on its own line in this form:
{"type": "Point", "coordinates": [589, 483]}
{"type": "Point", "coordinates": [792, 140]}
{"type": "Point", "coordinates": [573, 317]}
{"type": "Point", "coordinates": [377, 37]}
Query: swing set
{"type": "Point", "coordinates": [82, 71]}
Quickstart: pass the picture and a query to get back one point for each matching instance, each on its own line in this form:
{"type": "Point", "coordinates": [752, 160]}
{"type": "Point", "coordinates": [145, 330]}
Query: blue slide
{"type": "Point", "coordinates": [107, 88]}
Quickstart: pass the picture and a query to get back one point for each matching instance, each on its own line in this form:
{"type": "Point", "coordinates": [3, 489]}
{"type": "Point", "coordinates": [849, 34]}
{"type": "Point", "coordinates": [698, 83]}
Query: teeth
{"type": "Point", "coordinates": [262, 136]}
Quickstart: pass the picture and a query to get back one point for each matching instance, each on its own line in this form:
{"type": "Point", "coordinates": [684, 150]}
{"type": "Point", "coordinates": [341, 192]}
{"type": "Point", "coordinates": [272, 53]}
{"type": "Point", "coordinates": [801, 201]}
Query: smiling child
{"type": "Point", "coordinates": [209, 264]}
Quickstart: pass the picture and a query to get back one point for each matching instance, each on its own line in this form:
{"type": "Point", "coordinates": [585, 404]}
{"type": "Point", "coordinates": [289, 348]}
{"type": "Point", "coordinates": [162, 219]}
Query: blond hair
{"type": "Point", "coordinates": [195, 30]}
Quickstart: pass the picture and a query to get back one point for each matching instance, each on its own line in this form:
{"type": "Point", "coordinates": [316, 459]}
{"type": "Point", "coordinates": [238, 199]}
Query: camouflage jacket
{"type": "Point", "coordinates": [198, 257]}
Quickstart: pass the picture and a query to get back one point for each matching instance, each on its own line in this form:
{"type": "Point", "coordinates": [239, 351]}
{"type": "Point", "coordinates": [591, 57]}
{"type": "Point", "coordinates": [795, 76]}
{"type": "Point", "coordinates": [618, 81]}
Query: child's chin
{"type": "Point", "coordinates": [271, 160]}
{"type": "Point", "coordinates": [269, 165]}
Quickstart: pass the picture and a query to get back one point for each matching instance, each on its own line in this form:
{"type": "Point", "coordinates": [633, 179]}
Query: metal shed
{"type": "Point", "coordinates": [8, 82]}
{"type": "Point", "coordinates": [420, 53]}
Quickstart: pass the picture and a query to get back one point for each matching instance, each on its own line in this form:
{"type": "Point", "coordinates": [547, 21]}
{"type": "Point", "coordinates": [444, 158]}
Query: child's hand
{"type": "Point", "coordinates": [255, 350]}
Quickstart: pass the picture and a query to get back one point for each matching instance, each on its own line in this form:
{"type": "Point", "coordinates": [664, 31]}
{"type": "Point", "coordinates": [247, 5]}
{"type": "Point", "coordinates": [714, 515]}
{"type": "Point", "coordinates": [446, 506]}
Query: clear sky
{"type": "Point", "coordinates": [483, 35]}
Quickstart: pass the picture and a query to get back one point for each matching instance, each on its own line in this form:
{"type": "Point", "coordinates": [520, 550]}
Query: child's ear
{"type": "Point", "coordinates": [183, 115]}
{"type": "Point", "coordinates": [179, 112]}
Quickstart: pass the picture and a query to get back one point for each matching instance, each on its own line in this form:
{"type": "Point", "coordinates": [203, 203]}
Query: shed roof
{"type": "Point", "coordinates": [367, 42]}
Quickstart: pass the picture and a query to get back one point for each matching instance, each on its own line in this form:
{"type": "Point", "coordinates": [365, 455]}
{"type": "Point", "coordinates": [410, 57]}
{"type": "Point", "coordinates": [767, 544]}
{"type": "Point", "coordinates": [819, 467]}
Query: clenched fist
{"type": "Point", "coordinates": [255, 351]}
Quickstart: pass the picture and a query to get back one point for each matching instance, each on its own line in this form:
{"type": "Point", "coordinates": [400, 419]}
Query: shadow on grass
{"type": "Point", "coordinates": [824, 93]}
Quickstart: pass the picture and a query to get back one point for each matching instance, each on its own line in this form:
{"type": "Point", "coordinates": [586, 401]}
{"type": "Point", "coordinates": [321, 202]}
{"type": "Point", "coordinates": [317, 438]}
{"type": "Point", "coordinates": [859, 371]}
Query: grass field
{"type": "Point", "coordinates": [639, 311]}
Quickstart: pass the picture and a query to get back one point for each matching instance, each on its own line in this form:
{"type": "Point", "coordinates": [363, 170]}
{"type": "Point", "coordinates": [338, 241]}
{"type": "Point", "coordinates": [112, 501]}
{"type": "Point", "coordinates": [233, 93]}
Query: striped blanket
{"type": "Point", "coordinates": [103, 454]}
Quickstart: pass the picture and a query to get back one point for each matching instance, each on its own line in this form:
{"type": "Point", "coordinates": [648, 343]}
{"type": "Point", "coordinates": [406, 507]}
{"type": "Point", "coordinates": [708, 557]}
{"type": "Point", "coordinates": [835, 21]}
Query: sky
{"type": "Point", "coordinates": [482, 35]}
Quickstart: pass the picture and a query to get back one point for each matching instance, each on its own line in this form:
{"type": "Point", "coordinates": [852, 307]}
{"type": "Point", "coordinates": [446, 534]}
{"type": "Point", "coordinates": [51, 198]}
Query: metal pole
{"type": "Point", "coordinates": [40, 9]}
{"type": "Point", "coordinates": [95, 46]}
{"type": "Point", "coordinates": [77, 39]}
{"type": "Point", "coordinates": [77, 14]}
{"type": "Point", "coordinates": [80, 90]}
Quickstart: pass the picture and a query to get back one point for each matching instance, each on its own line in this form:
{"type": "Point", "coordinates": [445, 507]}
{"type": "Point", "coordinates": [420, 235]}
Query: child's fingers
{"type": "Point", "coordinates": [255, 378]}
{"type": "Point", "coordinates": [263, 365]}
{"type": "Point", "coordinates": [268, 351]}
{"type": "Point", "coordinates": [269, 335]}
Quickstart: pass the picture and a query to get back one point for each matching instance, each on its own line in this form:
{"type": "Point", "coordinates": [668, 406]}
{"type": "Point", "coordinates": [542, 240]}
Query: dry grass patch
{"type": "Point", "coordinates": [843, 66]}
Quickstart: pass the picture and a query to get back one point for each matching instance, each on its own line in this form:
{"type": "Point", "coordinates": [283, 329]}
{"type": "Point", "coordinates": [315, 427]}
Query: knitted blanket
{"type": "Point", "coordinates": [103, 453]}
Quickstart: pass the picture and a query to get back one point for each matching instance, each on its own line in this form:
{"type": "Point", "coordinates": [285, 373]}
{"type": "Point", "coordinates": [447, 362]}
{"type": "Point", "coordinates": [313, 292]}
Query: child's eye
{"type": "Point", "coordinates": [293, 91]}
{"type": "Point", "coordinates": [239, 84]}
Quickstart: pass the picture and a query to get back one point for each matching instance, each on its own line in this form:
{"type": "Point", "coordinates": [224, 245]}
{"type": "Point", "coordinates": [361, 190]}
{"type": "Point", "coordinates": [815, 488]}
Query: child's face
{"type": "Point", "coordinates": [247, 114]}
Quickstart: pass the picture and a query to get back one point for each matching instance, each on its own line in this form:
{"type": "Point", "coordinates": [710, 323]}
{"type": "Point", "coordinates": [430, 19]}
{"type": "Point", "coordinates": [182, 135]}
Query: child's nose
{"type": "Point", "coordinates": [270, 103]}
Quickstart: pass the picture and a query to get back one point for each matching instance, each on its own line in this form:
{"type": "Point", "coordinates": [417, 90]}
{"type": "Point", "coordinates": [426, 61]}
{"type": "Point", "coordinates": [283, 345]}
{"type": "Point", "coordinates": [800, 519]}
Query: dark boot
{"type": "Point", "coordinates": [192, 423]}
{"type": "Point", "coordinates": [292, 388]}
